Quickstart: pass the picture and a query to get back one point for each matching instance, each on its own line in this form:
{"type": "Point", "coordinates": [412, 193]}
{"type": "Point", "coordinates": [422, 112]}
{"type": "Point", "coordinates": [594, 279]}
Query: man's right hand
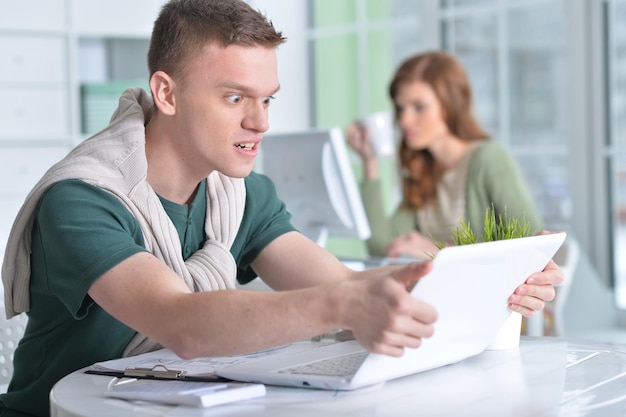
{"type": "Point", "coordinates": [382, 314]}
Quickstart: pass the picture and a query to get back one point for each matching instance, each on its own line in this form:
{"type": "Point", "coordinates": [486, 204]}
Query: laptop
{"type": "Point", "coordinates": [469, 286]}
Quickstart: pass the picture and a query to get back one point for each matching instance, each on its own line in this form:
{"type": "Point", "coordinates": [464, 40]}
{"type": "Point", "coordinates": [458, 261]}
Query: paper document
{"type": "Point", "coordinates": [196, 394]}
{"type": "Point", "coordinates": [165, 364]}
{"type": "Point", "coordinates": [160, 364]}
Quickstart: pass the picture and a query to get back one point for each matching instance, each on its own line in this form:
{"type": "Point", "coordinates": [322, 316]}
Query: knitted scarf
{"type": "Point", "coordinates": [115, 161]}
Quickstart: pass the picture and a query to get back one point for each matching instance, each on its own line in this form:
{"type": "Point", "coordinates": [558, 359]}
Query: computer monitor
{"type": "Point", "coordinates": [314, 177]}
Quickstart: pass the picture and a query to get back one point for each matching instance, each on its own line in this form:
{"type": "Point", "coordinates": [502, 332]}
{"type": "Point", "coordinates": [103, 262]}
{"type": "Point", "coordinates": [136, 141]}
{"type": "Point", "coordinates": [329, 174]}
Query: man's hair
{"type": "Point", "coordinates": [184, 27]}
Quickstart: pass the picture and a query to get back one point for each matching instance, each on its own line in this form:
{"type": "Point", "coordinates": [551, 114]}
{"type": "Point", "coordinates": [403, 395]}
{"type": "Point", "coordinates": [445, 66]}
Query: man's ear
{"type": "Point", "coordinates": [162, 86]}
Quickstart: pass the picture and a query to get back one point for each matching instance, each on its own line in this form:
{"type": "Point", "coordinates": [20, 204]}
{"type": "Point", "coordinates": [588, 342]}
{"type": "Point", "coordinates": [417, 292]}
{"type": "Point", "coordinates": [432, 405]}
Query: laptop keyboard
{"type": "Point", "coordinates": [345, 365]}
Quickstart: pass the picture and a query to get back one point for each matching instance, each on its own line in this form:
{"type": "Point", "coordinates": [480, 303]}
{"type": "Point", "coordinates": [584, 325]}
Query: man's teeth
{"type": "Point", "coordinates": [247, 146]}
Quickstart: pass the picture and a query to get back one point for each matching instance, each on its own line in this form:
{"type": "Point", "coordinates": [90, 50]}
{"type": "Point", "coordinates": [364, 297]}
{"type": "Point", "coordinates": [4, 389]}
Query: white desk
{"type": "Point", "coordinates": [543, 377]}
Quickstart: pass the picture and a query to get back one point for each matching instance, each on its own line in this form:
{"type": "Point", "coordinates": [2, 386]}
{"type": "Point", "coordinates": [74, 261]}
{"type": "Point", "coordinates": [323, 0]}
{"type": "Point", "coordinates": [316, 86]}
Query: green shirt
{"type": "Point", "coordinates": [81, 232]}
{"type": "Point", "coordinates": [493, 177]}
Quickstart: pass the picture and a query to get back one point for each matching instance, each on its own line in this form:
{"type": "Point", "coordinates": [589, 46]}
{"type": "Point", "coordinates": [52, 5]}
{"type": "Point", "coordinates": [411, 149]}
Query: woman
{"type": "Point", "coordinates": [451, 171]}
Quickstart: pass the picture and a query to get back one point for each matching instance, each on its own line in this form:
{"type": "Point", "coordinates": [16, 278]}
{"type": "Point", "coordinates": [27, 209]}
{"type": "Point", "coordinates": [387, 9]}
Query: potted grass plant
{"type": "Point", "coordinates": [497, 227]}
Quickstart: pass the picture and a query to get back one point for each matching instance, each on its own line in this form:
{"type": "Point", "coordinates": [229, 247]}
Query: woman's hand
{"type": "Point", "coordinates": [359, 140]}
{"type": "Point", "coordinates": [412, 244]}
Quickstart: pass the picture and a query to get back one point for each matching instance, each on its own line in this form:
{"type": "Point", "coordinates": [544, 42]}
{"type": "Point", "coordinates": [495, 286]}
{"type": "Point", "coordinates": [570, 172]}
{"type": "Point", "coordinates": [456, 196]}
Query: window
{"type": "Point", "coordinates": [515, 53]}
{"type": "Point", "coordinates": [615, 143]}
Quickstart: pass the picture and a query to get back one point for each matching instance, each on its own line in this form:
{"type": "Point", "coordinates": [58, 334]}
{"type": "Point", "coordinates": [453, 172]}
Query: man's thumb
{"type": "Point", "coordinates": [411, 273]}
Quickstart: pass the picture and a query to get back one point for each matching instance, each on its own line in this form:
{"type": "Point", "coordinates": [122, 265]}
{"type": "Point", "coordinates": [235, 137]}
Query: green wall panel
{"type": "Point", "coordinates": [377, 9]}
{"type": "Point", "coordinates": [336, 83]}
{"type": "Point", "coordinates": [333, 12]}
{"type": "Point", "coordinates": [379, 69]}
{"type": "Point", "coordinates": [338, 95]}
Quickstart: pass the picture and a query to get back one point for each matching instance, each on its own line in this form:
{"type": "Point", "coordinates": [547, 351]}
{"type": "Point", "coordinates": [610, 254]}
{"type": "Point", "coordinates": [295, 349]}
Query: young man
{"type": "Point", "coordinates": [136, 238]}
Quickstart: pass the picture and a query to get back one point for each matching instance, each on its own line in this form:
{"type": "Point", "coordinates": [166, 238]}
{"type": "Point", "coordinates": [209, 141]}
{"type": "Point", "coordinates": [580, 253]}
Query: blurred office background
{"type": "Point", "coordinates": [549, 80]}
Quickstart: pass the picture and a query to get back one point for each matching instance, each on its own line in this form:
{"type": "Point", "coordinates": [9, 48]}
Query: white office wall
{"type": "Point", "coordinates": [290, 110]}
{"type": "Point", "coordinates": [40, 81]}
{"type": "Point", "coordinates": [114, 17]}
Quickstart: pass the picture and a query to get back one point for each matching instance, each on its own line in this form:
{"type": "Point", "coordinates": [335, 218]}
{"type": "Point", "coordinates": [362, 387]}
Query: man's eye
{"type": "Point", "coordinates": [419, 108]}
{"type": "Point", "coordinates": [267, 100]}
{"type": "Point", "coordinates": [234, 98]}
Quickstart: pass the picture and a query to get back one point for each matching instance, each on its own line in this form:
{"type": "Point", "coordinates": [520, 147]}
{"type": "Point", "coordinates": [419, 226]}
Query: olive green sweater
{"type": "Point", "coordinates": [493, 177]}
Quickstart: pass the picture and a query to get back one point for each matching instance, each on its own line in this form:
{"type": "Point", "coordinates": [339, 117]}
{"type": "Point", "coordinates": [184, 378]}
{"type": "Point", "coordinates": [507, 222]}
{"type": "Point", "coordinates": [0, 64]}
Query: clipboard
{"type": "Point", "coordinates": [164, 374]}
{"type": "Point", "coordinates": [157, 372]}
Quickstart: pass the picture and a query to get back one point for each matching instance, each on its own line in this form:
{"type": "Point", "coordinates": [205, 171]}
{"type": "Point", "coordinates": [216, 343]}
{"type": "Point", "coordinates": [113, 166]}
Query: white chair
{"type": "Point", "coordinates": [11, 331]}
{"type": "Point", "coordinates": [567, 258]}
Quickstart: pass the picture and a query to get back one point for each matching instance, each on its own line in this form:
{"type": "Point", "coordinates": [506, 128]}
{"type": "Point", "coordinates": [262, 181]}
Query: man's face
{"type": "Point", "coordinates": [222, 107]}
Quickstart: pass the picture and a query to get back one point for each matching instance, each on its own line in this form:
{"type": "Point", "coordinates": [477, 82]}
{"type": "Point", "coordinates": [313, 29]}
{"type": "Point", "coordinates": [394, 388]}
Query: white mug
{"type": "Point", "coordinates": [381, 132]}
